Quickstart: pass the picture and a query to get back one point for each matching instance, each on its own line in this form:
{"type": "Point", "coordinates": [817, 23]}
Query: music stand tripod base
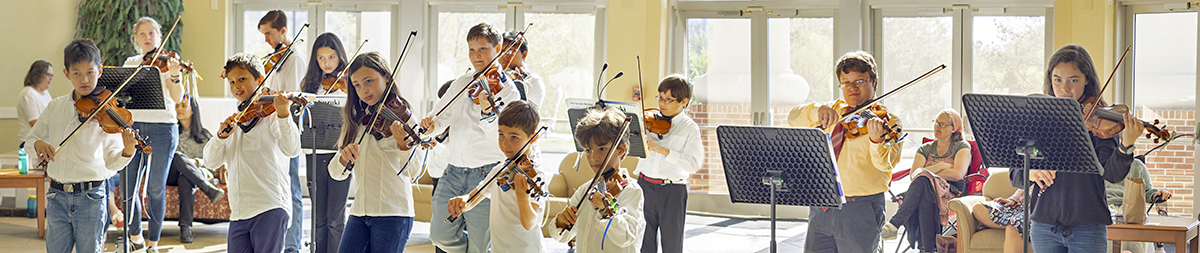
{"type": "Point", "coordinates": [774, 165]}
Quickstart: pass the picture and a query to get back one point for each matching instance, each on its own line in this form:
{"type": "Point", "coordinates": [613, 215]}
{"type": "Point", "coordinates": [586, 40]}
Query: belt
{"type": "Point", "coordinates": [76, 187]}
{"type": "Point", "coordinates": [856, 198]}
{"type": "Point", "coordinates": [660, 181]}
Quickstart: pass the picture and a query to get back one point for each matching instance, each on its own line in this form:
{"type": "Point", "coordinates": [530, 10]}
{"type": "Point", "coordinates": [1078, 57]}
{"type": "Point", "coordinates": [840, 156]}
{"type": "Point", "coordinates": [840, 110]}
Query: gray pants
{"type": "Point", "coordinates": [665, 209]}
{"type": "Point", "coordinates": [329, 204]}
{"type": "Point", "coordinates": [853, 228]}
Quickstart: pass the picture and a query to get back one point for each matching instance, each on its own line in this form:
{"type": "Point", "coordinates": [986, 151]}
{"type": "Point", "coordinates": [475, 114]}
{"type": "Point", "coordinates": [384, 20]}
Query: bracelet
{"type": "Point", "coordinates": [174, 76]}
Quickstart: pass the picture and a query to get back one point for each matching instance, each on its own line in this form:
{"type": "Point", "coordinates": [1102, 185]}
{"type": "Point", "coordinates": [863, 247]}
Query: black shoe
{"type": "Point", "coordinates": [185, 234]}
{"type": "Point", "coordinates": [215, 195]}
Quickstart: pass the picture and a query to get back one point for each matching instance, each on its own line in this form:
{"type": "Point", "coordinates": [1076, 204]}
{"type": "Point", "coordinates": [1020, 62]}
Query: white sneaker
{"type": "Point", "coordinates": [889, 232]}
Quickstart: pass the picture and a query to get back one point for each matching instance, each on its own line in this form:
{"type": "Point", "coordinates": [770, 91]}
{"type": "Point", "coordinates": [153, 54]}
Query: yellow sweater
{"type": "Point", "coordinates": [865, 167]}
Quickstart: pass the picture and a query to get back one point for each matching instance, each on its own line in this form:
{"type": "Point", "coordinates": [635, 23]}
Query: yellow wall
{"type": "Point", "coordinates": [204, 42]}
{"type": "Point", "coordinates": [1091, 24]}
{"type": "Point", "coordinates": [636, 27]}
{"type": "Point", "coordinates": [34, 30]}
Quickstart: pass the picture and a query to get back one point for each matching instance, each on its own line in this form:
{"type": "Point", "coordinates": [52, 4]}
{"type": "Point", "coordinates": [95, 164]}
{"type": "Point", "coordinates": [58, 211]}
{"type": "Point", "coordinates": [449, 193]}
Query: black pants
{"type": "Point", "coordinates": [329, 203]}
{"type": "Point", "coordinates": [665, 211]}
{"type": "Point", "coordinates": [919, 214]}
{"type": "Point", "coordinates": [187, 176]}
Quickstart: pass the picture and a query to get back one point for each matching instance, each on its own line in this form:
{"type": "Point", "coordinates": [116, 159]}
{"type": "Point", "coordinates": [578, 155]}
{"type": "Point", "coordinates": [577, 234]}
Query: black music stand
{"type": "Point", "coordinates": [775, 165]}
{"type": "Point", "coordinates": [1004, 123]}
{"type": "Point", "coordinates": [143, 92]}
{"type": "Point", "coordinates": [637, 146]}
{"type": "Point", "coordinates": [321, 125]}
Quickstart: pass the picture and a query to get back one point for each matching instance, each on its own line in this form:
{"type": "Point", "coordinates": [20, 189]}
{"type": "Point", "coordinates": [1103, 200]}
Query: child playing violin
{"type": "Point", "coordinates": [382, 215]}
{"type": "Point", "coordinates": [328, 195]}
{"type": "Point", "coordinates": [672, 159]}
{"type": "Point", "coordinates": [256, 154]}
{"type": "Point", "coordinates": [1069, 209]}
{"type": "Point", "coordinates": [599, 224]}
{"type": "Point", "coordinates": [76, 208]}
{"type": "Point", "coordinates": [516, 217]}
{"type": "Point", "coordinates": [472, 136]}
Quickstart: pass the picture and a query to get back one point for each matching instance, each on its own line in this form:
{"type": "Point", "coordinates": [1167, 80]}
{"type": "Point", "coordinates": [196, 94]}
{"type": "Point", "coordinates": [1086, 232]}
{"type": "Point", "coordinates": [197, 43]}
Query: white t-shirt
{"type": "Point", "coordinates": [167, 114]}
{"type": "Point", "coordinates": [29, 107]}
{"type": "Point", "coordinates": [508, 235]}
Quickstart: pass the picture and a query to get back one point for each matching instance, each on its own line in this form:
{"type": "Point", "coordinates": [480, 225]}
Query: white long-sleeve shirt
{"type": "Point", "coordinates": [290, 74]}
{"type": "Point", "coordinates": [535, 89]}
{"type": "Point", "coordinates": [624, 233]}
{"type": "Point", "coordinates": [474, 138]}
{"type": "Point", "coordinates": [508, 235]}
{"type": "Point", "coordinates": [30, 107]}
{"type": "Point", "coordinates": [683, 139]}
{"type": "Point", "coordinates": [380, 191]}
{"type": "Point", "coordinates": [257, 163]}
{"type": "Point", "coordinates": [91, 155]}
{"type": "Point", "coordinates": [167, 114]}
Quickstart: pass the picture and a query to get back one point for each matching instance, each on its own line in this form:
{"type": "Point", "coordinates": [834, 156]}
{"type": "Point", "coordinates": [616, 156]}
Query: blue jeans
{"type": "Point", "coordinates": [1082, 238]}
{"type": "Point", "coordinates": [449, 236]}
{"type": "Point", "coordinates": [163, 138]}
{"type": "Point", "coordinates": [376, 234]}
{"type": "Point", "coordinates": [76, 220]}
{"type": "Point", "coordinates": [291, 241]}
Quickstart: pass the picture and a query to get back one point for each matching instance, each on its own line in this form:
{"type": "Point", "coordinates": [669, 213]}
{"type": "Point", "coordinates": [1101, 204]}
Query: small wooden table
{"type": "Point", "coordinates": [35, 179]}
{"type": "Point", "coordinates": [1178, 230]}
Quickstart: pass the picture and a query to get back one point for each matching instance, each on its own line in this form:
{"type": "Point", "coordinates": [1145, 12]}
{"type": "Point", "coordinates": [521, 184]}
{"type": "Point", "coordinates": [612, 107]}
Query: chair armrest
{"type": "Point", "coordinates": [967, 225]}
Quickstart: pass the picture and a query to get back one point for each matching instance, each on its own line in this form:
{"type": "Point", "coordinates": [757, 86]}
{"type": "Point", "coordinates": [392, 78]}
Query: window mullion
{"type": "Point", "coordinates": [760, 99]}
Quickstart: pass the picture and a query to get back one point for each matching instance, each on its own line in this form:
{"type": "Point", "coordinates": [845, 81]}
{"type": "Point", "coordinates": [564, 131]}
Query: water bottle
{"type": "Point", "coordinates": [22, 161]}
{"type": "Point", "coordinates": [32, 206]}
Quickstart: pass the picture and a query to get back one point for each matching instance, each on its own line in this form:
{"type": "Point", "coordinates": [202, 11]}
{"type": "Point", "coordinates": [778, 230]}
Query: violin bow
{"type": "Point", "coordinates": [479, 74]}
{"type": "Point", "coordinates": [624, 131]}
{"type": "Point", "coordinates": [864, 105]}
{"type": "Point", "coordinates": [119, 88]}
{"type": "Point", "coordinates": [1110, 77]}
{"type": "Point", "coordinates": [507, 163]}
{"type": "Point", "coordinates": [255, 95]}
{"type": "Point", "coordinates": [387, 91]}
{"type": "Point", "coordinates": [342, 74]}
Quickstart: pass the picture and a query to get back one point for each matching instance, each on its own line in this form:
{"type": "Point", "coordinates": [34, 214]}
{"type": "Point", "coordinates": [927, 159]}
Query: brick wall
{"type": "Point", "coordinates": [1170, 167]}
{"type": "Point", "coordinates": [711, 176]}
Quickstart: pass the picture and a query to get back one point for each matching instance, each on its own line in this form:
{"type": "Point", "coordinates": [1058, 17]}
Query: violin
{"type": "Point", "coordinates": [332, 82]}
{"type": "Point", "coordinates": [656, 122]}
{"type": "Point", "coordinates": [522, 166]}
{"type": "Point", "coordinates": [484, 89]}
{"type": "Point", "coordinates": [618, 179]}
{"type": "Point", "coordinates": [113, 118]}
{"type": "Point", "coordinates": [250, 111]}
{"type": "Point", "coordinates": [1108, 121]}
{"type": "Point", "coordinates": [264, 106]}
{"type": "Point", "coordinates": [274, 57]}
{"type": "Point", "coordinates": [148, 59]}
{"type": "Point", "coordinates": [395, 109]}
{"type": "Point", "coordinates": [517, 164]}
{"type": "Point", "coordinates": [856, 124]}
{"type": "Point", "coordinates": [518, 73]}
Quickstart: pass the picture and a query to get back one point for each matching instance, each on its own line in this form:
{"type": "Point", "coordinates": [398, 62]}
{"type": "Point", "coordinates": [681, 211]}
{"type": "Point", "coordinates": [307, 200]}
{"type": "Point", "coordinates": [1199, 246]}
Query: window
{"type": "Point", "coordinates": [801, 63]}
{"type": "Point", "coordinates": [253, 39]}
{"type": "Point", "coordinates": [911, 47]}
{"type": "Point", "coordinates": [1009, 54]}
{"type": "Point", "coordinates": [452, 60]}
{"type": "Point", "coordinates": [562, 51]}
{"type": "Point", "coordinates": [352, 27]}
{"type": "Point", "coordinates": [1164, 89]}
{"type": "Point", "coordinates": [717, 54]}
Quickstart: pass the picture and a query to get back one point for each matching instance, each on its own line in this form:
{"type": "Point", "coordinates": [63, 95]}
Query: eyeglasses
{"type": "Point", "coordinates": [858, 83]}
{"type": "Point", "coordinates": [665, 100]}
{"type": "Point", "coordinates": [940, 124]}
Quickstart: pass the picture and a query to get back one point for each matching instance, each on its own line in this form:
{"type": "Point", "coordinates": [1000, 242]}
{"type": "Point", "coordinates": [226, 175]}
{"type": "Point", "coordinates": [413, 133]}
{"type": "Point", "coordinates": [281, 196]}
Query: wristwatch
{"type": "Point", "coordinates": [1128, 149]}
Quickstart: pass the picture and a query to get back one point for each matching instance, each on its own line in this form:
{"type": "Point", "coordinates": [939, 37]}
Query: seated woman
{"type": "Point", "coordinates": [1004, 213]}
{"type": "Point", "coordinates": [939, 169]}
{"type": "Point", "coordinates": [185, 171]}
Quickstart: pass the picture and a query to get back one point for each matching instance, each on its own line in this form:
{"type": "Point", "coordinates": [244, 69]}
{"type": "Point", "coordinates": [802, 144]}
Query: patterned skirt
{"type": "Point", "coordinates": [1005, 215]}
